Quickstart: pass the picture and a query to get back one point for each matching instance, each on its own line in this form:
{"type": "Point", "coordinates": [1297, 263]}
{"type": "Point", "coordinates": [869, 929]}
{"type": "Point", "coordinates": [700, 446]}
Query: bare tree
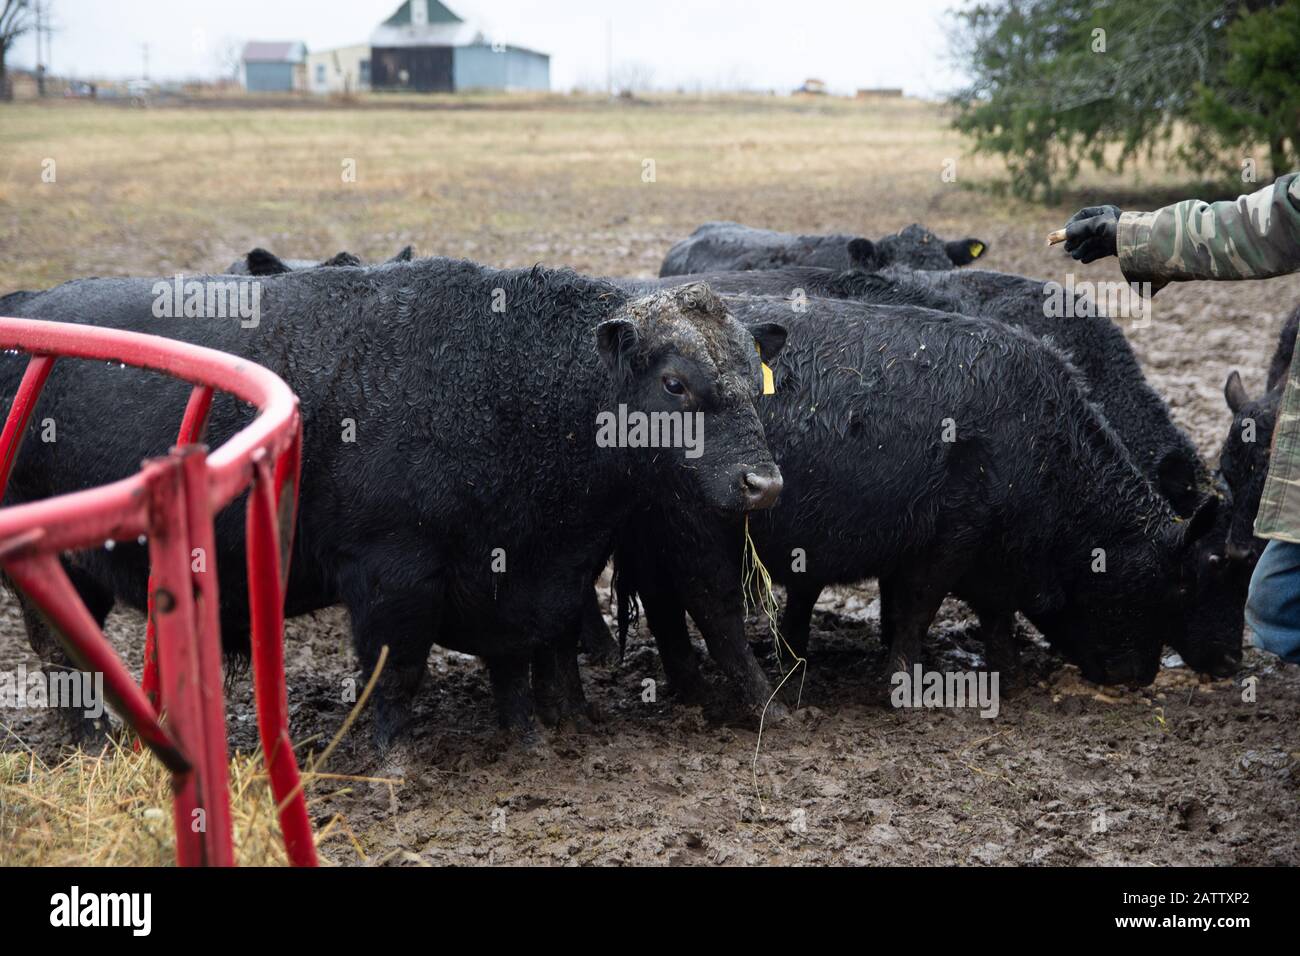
{"type": "Point", "coordinates": [15, 20]}
{"type": "Point", "coordinates": [633, 76]}
{"type": "Point", "coordinates": [227, 57]}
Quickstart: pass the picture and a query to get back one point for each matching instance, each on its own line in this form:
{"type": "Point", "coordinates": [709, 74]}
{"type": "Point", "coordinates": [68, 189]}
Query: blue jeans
{"type": "Point", "coordinates": [1273, 607]}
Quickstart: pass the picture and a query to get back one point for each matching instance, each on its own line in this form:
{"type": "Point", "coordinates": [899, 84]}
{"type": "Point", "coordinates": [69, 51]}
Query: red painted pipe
{"type": "Point", "coordinates": [266, 607]}
{"type": "Point", "coordinates": [193, 425]}
{"type": "Point", "coordinates": [42, 579]}
{"type": "Point", "coordinates": [178, 664]}
{"type": "Point", "coordinates": [200, 555]}
{"type": "Point", "coordinates": [20, 412]}
{"type": "Point", "coordinates": [173, 501]}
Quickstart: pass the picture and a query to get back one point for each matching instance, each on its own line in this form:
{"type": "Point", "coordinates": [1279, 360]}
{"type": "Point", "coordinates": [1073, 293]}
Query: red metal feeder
{"type": "Point", "coordinates": [172, 500]}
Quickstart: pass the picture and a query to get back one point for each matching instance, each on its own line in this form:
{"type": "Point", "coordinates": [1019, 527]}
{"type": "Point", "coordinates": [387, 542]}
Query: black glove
{"type": "Point", "coordinates": [1090, 233]}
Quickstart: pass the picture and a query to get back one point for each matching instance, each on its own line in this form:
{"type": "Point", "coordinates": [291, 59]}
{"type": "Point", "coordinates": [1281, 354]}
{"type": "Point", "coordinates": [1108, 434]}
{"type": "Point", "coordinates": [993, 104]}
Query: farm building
{"type": "Point", "coordinates": [425, 47]}
{"type": "Point", "coordinates": [345, 70]}
{"type": "Point", "coordinates": [273, 67]}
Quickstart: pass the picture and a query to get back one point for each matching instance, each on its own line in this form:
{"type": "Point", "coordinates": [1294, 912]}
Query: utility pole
{"type": "Point", "coordinates": [144, 52]}
{"type": "Point", "coordinates": [49, 36]}
{"type": "Point", "coordinates": [40, 62]}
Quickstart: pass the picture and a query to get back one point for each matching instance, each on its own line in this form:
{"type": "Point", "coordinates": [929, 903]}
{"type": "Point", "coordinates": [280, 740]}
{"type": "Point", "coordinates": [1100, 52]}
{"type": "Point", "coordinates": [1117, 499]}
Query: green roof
{"type": "Point", "coordinates": [437, 14]}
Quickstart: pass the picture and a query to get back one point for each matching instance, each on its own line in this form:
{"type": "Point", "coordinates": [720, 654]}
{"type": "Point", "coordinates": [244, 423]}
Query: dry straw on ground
{"type": "Point", "coordinates": [114, 808]}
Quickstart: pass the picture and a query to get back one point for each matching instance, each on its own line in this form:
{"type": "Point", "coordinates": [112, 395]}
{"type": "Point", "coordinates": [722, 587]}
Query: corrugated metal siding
{"type": "Point", "coordinates": [479, 67]}
{"type": "Point", "coordinates": [268, 77]}
{"type": "Point", "coordinates": [528, 70]}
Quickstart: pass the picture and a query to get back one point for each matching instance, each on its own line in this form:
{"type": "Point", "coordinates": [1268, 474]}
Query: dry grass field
{"type": "Point", "coordinates": [168, 189]}
{"type": "Point", "coordinates": [1184, 772]}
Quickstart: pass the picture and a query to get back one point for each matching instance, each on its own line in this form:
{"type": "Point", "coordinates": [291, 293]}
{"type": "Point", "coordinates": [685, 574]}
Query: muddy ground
{"type": "Point", "coordinates": [1185, 772]}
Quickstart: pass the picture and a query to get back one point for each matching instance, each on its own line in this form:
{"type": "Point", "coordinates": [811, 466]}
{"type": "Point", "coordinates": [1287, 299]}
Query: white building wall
{"type": "Point", "coordinates": [346, 69]}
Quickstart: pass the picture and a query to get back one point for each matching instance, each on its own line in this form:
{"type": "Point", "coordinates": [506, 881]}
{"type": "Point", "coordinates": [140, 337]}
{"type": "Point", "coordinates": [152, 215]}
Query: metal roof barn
{"type": "Point", "coordinates": [273, 66]}
{"type": "Point", "coordinates": [425, 47]}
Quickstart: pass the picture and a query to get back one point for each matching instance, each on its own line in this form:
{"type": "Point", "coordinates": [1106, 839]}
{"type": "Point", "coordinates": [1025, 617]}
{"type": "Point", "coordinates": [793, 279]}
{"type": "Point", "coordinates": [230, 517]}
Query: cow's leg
{"type": "Point", "coordinates": [596, 641]}
{"type": "Point", "coordinates": [722, 622]}
{"type": "Point", "coordinates": [665, 615]}
{"type": "Point", "coordinates": [709, 581]}
{"type": "Point", "coordinates": [796, 619]}
{"type": "Point", "coordinates": [404, 616]}
{"type": "Point", "coordinates": [513, 693]}
{"type": "Point", "coordinates": [557, 684]}
{"type": "Point", "coordinates": [908, 604]}
{"type": "Point", "coordinates": [1001, 654]}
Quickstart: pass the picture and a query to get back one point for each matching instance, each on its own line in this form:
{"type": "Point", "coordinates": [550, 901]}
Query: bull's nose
{"type": "Point", "coordinates": [761, 491]}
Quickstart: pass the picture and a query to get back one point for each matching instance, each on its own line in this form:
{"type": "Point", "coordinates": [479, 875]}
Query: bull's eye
{"type": "Point", "coordinates": [674, 386]}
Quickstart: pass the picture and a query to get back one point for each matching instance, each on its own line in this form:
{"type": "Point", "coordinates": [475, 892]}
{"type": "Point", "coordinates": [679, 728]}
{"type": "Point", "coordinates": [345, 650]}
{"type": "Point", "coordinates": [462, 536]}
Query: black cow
{"type": "Point", "coordinates": [944, 455]}
{"type": "Point", "coordinates": [729, 246]}
{"type": "Point", "coordinates": [1115, 381]}
{"type": "Point", "coordinates": [477, 502]}
{"type": "Point", "coordinates": [1093, 343]}
{"type": "Point", "coordinates": [259, 262]}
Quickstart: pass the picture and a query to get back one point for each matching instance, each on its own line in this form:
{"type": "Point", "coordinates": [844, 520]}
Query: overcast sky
{"type": "Point", "coordinates": [758, 44]}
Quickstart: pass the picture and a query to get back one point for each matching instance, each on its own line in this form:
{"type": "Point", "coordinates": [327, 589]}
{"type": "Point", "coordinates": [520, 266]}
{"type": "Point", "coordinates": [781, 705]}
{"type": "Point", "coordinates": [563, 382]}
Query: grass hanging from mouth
{"type": "Point", "coordinates": [756, 583]}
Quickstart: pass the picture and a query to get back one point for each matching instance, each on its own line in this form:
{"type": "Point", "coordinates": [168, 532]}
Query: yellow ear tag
{"type": "Point", "coordinates": [769, 384]}
{"type": "Point", "coordinates": [976, 249]}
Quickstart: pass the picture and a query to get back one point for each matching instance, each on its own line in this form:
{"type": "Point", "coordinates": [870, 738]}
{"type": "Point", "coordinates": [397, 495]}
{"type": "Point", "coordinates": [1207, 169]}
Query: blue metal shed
{"type": "Point", "coordinates": [273, 67]}
{"type": "Point", "coordinates": [480, 66]}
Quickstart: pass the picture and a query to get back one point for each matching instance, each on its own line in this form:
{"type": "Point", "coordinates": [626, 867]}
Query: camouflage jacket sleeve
{"type": "Point", "coordinates": [1251, 237]}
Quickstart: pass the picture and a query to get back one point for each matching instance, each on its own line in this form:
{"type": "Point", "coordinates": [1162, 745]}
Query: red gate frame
{"type": "Point", "coordinates": [172, 501]}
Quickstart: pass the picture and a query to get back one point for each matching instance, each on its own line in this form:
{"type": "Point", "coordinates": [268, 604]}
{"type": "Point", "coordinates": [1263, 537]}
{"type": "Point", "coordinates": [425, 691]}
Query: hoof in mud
{"type": "Point", "coordinates": [692, 692]}
{"type": "Point", "coordinates": [578, 715]}
{"type": "Point", "coordinates": [883, 687]}
{"type": "Point", "coordinates": [394, 762]}
{"type": "Point", "coordinates": [520, 736]}
{"type": "Point", "coordinates": [776, 714]}
{"type": "Point", "coordinates": [548, 712]}
{"type": "Point", "coordinates": [575, 724]}
{"type": "Point", "coordinates": [91, 735]}
{"type": "Point", "coordinates": [387, 736]}
{"type": "Point", "coordinates": [392, 718]}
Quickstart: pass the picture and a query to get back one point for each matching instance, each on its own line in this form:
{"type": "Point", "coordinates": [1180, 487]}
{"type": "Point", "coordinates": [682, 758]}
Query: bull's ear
{"type": "Point", "coordinates": [404, 255]}
{"type": "Point", "coordinates": [616, 341]}
{"type": "Point", "coordinates": [1235, 393]}
{"type": "Point", "coordinates": [864, 255]}
{"type": "Point", "coordinates": [1186, 533]}
{"type": "Point", "coordinates": [263, 263]}
{"type": "Point", "coordinates": [770, 337]}
{"type": "Point", "coordinates": [963, 252]}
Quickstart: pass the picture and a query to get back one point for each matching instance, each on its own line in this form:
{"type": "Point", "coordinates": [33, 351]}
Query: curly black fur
{"type": "Point", "coordinates": [1008, 514]}
{"type": "Point", "coordinates": [729, 246]}
{"type": "Point", "coordinates": [475, 430]}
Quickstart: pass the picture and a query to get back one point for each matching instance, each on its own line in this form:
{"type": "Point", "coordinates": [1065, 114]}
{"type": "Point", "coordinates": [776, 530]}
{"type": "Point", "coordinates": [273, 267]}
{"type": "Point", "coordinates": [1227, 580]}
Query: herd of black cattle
{"type": "Point", "coordinates": [931, 426]}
